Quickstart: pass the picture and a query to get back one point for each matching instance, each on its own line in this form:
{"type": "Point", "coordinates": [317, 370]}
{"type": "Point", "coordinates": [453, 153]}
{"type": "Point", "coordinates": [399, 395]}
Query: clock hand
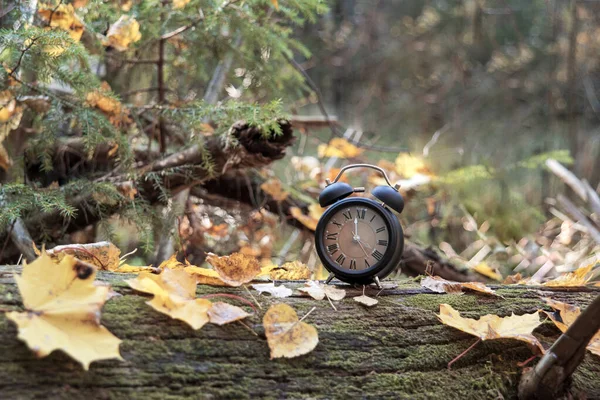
{"type": "Point", "coordinates": [356, 238]}
{"type": "Point", "coordinates": [366, 244]}
{"type": "Point", "coordinates": [363, 249]}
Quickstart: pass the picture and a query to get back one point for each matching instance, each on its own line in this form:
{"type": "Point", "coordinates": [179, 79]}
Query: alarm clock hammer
{"type": "Point", "coordinates": [359, 240]}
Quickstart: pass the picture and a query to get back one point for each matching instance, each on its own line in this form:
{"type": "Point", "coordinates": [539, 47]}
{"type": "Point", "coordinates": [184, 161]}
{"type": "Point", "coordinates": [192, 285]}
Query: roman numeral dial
{"type": "Point", "coordinates": [356, 237]}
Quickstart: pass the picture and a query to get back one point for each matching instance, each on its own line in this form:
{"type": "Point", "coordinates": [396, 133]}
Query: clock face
{"type": "Point", "coordinates": [356, 237]}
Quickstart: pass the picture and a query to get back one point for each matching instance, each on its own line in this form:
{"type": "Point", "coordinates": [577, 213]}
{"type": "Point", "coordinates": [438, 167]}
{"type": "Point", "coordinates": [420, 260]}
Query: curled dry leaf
{"type": "Point", "coordinates": [568, 314]}
{"type": "Point", "coordinates": [235, 269]}
{"type": "Point", "coordinates": [10, 118]}
{"type": "Point", "coordinates": [489, 327]}
{"type": "Point", "coordinates": [103, 255]}
{"type": "Point", "coordinates": [123, 33]}
{"type": "Point", "coordinates": [366, 300]}
{"type": "Point", "coordinates": [440, 285]}
{"type": "Point", "coordinates": [174, 295]}
{"type": "Point", "coordinates": [276, 291]}
{"type": "Point", "coordinates": [205, 276]}
{"type": "Point", "coordinates": [63, 311]}
{"type": "Point", "coordinates": [223, 313]}
{"type": "Point", "coordinates": [318, 291]}
{"type": "Point", "coordinates": [340, 148]}
{"type": "Point", "coordinates": [291, 271]}
{"type": "Point", "coordinates": [274, 188]}
{"type": "Point", "coordinates": [580, 277]}
{"type": "Point", "coordinates": [112, 108]}
{"type": "Point", "coordinates": [286, 335]}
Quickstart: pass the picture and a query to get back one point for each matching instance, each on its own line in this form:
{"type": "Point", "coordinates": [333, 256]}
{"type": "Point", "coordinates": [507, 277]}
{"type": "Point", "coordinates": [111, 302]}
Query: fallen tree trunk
{"type": "Point", "coordinates": [190, 167]}
{"type": "Point", "coordinates": [397, 349]}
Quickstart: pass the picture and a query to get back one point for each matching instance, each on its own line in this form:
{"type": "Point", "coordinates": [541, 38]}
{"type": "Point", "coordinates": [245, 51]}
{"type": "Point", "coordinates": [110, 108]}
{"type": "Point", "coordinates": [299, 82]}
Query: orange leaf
{"type": "Point", "coordinates": [235, 269]}
{"type": "Point", "coordinates": [275, 4]}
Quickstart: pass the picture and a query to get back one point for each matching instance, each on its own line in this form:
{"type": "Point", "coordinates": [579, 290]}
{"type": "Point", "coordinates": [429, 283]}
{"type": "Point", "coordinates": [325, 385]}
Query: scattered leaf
{"type": "Point", "coordinates": [111, 107]}
{"type": "Point", "coordinates": [315, 212]}
{"type": "Point", "coordinates": [223, 313]}
{"type": "Point", "coordinates": [274, 188]}
{"type": "Point", "coordinates": [440, 285]}
{"type": "Point", "coordinates": [235, 269]}
{"type": "Point", "coordinates": [291, 271]}
{"type": "Point", "coordinates": [286, 335]}
{"type": "Point", "coordinates": [340, 148]}
{"type": "Point", "coordinates": [318, 291]}
{"type": "Point", "coordinates": [276, 291]}
{"type": "Point", "coordinates": [489, 327]}
{"type": "Point", "coordinates": [205, 276]}
{"type": "Point", "coordinates": [63, 311]}
{"type": "Point", "coordinates": [485, 270]}
{"type": "Point", "coordinates": [568, 314]}
{"type": "Point", "coordinates": [513, 279]}
{"type": "Point", "coordinates": [366, 300]}
{"type": "Point", "coordinates": [174, 295]}
{"type": "Point", "coordinates": [408, 165]}
{"type": "Point", "coordinates": [178, 4]}
{"type": "Point", "coordinates": [103, 255]}
{"type": "Point", "coordinates": [580, 277]}
{"type": "Point", "coordinates": [62, 17]}
{"type": "Point", "coordinates": [275, 4]}
{"type": "Point", "coordinates": [123, 33]}
{"type": "Point", "coordinates": [10, 118]}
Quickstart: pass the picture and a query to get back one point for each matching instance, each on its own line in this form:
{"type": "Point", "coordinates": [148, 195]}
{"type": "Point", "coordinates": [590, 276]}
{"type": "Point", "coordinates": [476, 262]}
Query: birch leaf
{"type": "Point", "coordinates": [286, 335]}
{"type": "Point", "coordinates": [223, 313]}
{"type": "Point", "coordinates": [205, 276]}
{"type": "Point", "coordinates": [235, 269]}
{"type": "Point", "coordinates": [319, 291]}
{"type": "Point", "coordinates": [63, 311]}
{"type": "Point", "coordinates": [440, 285]}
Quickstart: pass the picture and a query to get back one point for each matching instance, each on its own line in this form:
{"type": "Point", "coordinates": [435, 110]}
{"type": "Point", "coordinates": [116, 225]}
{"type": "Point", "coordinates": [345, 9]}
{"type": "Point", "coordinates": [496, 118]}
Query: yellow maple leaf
{"type": "Point", "coordinates": [291, 271]}
{"type": "Point", "coordinates": [235, 269]}
{"type": "Point", "coordinates": [580, 277]}
{"type": "Point", "coordinates": [286, 335]}
{"type": "Point", "coordinates": [177, 4]}
{"type": "Point", "coordinates": [174, 295]}
{"type": "Point", "coordinates": [123, 33]}
{"type": "Point", "coordinates": [340, 148]}
{"type": "Point", "coordinates": [489, 327]}
{"type": "Point", "coordinates": [63, 311]}
{"type": "Point", "coordinates": [485, 270]}
{"type": "Point", "coordinates": [568, 314]}
{"type": "Point", "coordinates": [274, 188]}
{"type": "Point", "coordinates": [62, 17]}
{"type": "Point", "coordinates": [408, 165]}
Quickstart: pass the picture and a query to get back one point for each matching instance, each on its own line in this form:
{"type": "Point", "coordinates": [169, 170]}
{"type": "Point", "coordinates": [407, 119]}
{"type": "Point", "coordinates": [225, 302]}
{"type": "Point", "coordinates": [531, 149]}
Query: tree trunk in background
{"type": "Point", "coordinates": [397, 349]}
{"type": "Point", "coordinates": [572, 88]}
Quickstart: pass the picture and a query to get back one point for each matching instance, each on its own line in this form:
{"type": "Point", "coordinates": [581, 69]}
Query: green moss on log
{"type": "Point", "coordinates": [396, 350]}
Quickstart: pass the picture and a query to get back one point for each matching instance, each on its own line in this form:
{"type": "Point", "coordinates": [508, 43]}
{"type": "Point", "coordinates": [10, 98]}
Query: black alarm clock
{"type": "Point", "coordinates": [359, 240]}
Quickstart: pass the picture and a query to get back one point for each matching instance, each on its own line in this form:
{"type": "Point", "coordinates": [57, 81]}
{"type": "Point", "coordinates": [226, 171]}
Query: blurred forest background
{"type": "Point", "coordinates": [477, 107]}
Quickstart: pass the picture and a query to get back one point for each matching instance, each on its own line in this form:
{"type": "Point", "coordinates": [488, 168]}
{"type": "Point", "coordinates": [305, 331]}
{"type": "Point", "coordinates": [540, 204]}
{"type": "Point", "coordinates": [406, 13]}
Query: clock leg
{"type": "Point", "coordinates": [378, 283]}
{"type": "Point", "coordinates": [329, 278]}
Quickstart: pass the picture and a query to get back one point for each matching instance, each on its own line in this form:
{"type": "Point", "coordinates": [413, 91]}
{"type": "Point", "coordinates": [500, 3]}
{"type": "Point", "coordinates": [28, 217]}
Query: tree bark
{"type": "Point", "coordinates": [397, 349]}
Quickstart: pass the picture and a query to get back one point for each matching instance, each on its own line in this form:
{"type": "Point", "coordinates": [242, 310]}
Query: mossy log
{"type": "Point", "coordinates": [397, 349]}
